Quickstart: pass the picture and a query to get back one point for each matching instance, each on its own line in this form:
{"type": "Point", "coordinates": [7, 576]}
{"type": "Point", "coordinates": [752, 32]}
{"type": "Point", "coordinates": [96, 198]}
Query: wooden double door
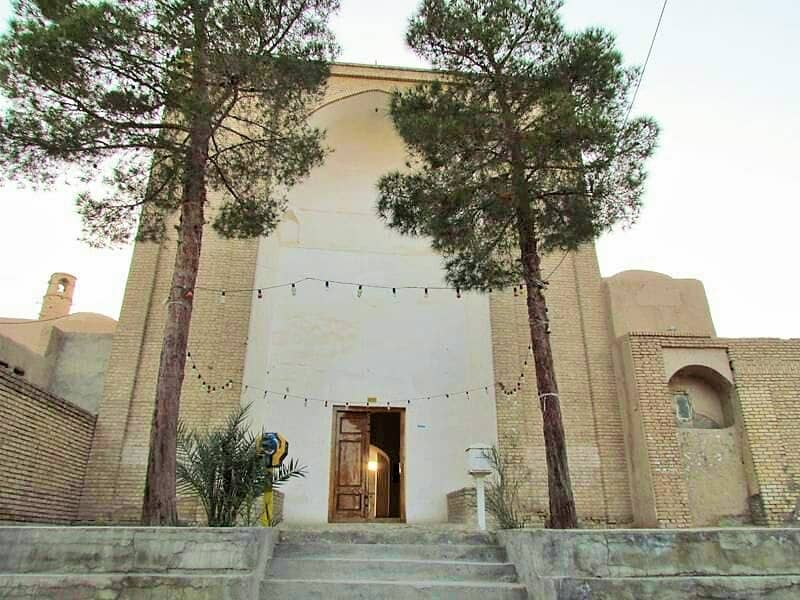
{"type": "Point", "coordinates": [350, 476]}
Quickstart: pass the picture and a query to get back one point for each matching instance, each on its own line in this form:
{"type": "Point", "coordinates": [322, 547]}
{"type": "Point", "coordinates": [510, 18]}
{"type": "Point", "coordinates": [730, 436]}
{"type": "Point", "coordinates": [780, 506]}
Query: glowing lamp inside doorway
{"type": "Point", "coordinates": [372, 465]}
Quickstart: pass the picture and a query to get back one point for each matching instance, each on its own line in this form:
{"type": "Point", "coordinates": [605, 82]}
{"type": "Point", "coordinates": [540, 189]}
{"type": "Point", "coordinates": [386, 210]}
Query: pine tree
{"type": "Point", "coordinates": [523, 147]}
{"type": "Point", "coordinates": [156, 104]}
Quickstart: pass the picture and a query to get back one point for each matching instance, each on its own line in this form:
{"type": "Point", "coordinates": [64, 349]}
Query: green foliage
{"type": "Point", "coordinates": [226, 470]}
{"type": "Point", "coordinates": [527, 129]}
{"type": "Point", "coordinates": [503, 491]}
{"type": "Point", "coordinates": [107, 90]}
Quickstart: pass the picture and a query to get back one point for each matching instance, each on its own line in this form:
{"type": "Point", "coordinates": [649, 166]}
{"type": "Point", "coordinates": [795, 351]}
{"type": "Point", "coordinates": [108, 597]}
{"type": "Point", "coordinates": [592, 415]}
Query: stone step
{"type": "Point", "coordinates": [121, 586]}
{"type": "Point", "coordinates": [654, 553]}
{"type": "Point", "coordinates": [461, 552]}
{"type": "Point", "coordinates": [390, 570]}
{"type": "Point", "coordinates": [166, 550]}
{"type": "Point", "coordinates": [680, 588]}
{"type": "Point", "coordinates": [326, 589]}
{"type": "Point", "coordinates": [388, 535]}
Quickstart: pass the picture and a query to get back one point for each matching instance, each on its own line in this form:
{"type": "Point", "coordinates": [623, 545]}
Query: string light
{"type": "Point", "coordinates": [328, 284]}
{"type": "Point", "coordinates": [209, 388]}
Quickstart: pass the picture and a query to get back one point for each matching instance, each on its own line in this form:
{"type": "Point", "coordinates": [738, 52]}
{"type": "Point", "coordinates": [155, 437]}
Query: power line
{"type": "Point", "coordinates": [646, 61]}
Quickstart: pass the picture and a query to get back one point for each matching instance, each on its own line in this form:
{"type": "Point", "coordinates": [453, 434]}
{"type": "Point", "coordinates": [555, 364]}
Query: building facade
{"type": "Point", "coordinates": [380, 380]}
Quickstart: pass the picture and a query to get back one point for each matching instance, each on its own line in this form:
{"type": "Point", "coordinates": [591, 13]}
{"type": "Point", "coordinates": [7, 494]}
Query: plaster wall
{"type": "Point", "coordinates": [332, 345]}
{"type": "Point", "coordinates": [715, 359]}
{"type": "Point", "coordinates": [37, 368]}
{"type": "Point", "coordinates": [705, 400]}
{"type": "Point", "coordinates": [648, 301]}
{"type": "Point", "coordinates": [715, 475]}
{"type": "Point", "coordinates": [80, 368]}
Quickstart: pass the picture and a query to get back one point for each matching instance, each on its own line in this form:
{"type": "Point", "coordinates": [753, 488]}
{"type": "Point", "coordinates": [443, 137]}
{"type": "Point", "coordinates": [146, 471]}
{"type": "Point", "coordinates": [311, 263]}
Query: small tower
{"type": "Point", "coordinates": [58, 299]}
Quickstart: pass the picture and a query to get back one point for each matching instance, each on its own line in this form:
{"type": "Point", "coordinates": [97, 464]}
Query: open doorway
{"type": "Point", "coordinates": [367, 455]}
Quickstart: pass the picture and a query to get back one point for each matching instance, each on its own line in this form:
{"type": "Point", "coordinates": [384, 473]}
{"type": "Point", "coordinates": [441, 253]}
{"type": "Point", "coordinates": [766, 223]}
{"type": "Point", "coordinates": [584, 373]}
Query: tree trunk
{"type": "Point", "coordinates": [562, 502]}
{"type": "Point", "coordinates": [160, 496]}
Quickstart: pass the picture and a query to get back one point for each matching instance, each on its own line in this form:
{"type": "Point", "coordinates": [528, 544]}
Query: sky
{"type": "Point", "coordinates": [721, 202]}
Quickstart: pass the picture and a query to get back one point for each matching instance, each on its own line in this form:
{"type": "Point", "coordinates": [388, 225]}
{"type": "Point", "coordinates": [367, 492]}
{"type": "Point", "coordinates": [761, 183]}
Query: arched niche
{"type": "Point", "coordinates": [702, 398]}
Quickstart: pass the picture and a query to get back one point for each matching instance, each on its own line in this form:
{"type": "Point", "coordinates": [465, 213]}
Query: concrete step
{"type": "Point", "coordinates": [99, 550]}
{"type": "Point", "coordinates": [119, 586]}
{"type": "Point", "coordinates": [680, 588]}
{"type": "Point", "coordinates": [390, 570]}
{"type": "Point", "coordinates": [654, 553]}
{"type": "Point", "coordinates": [388, 535]}
{"type": "Point", "coordinates": [461, 552]}
{"type": "Point", "coordinates": [326, 589]}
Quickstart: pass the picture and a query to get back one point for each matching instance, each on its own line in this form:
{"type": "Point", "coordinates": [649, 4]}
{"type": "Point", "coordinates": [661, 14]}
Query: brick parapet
{"type": "Point", "coordinates": [44, 451]}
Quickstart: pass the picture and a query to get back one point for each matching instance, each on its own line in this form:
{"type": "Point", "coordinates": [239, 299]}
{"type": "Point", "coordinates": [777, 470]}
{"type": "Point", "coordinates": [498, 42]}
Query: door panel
{"type": "Point", "coordinates": [351, 453]}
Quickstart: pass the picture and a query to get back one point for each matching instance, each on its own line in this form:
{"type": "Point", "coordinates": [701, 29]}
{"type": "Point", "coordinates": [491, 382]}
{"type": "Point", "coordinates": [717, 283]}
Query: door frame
{"type": "Point", "coordinates": [337, 408]}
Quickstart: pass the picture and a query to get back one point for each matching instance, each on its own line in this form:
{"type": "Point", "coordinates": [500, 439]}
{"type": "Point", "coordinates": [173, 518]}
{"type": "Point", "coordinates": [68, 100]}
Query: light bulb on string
{"type": "Point", "coordinates": [515, 292]}
{"type": "Point", "coordinates": [426, 292]}
{"type": "Point", "coordinates": [360, 291]}
{"type": "Point", "coordinates": [327, 286]}
{"type": "Point", "coordinates": [285, 396]}
{"type": "Point", "coordinates": [294, 290]}
{"type": "Point", "coordinates": [305, 402]}
{"type": "Point", "coordinates": [326, 404]}
{"type": "Point", "coordinates": [394, 292]}
{"type": "Point", "coordinates": [458, 293]}
{"type": "Point", "coordinates": [222, 297]}
{"type": "Point", "coordinates": [260, 295]}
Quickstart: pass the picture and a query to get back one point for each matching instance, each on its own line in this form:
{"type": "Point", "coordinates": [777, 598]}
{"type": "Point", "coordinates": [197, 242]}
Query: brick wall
{"type": "Point", "coordinates": [767, 397]}
{"type": "Point", "coordinates": [581, 341]}
{"type": "Point", "coordinates": [44, 450]}
{"type": "Point", "coordinates": [767, 373]}
{"type": "Point", "coordinates": [462, 509]}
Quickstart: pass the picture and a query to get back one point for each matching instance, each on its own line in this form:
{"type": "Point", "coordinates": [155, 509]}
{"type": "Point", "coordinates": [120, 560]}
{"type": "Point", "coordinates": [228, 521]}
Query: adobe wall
{"type": "Point", "coordinates": [44, 450]}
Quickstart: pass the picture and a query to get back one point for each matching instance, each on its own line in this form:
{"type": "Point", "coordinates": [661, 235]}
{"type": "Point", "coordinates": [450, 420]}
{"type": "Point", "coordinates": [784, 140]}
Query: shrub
{"type": "Point", "coordinates": [503, 491]}
{"type": "Point", "coordinates": [225, 469]}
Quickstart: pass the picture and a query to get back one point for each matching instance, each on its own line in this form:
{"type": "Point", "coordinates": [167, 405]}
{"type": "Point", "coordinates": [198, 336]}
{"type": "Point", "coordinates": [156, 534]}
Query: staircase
{"type": "Point", "coordinates": [389, 563]}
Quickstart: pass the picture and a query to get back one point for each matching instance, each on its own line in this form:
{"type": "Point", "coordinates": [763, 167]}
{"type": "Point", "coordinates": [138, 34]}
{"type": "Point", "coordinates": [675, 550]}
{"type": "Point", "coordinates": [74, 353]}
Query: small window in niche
{"type": "Point", "coordinates": [19, 372]}
{"type": "Point", "coordinates": [62, 286]}
{"type": "Point", "coordinates": [684, 412]}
